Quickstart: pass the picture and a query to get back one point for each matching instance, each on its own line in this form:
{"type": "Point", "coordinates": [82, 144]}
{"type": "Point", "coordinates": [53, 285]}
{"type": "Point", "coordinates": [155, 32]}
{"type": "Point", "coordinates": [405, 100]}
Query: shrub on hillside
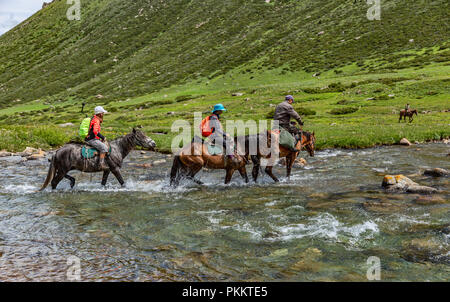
{"type": "Point", "coordinates": [342, 111]}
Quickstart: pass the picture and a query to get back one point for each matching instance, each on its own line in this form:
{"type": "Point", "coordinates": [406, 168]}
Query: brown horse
{"type": "Point", "coordinates": [304, 139]}
{"type": "Point", "coordinates": [195, 156]}
{"type": "Point", "coordinates": [410, 114]}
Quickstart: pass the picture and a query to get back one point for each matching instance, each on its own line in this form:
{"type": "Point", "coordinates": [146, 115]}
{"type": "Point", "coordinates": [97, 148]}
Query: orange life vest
{"type": "Point", "coordinates": [205, 127]}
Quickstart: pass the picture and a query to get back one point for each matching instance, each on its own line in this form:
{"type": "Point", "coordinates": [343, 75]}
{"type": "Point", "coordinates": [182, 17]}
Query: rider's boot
{"type": "Point", "coordinates": [101, 165]}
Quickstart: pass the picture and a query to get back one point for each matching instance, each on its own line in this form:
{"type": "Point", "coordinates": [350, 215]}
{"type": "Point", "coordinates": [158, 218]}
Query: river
{"type": "Point", "coordinates": [321, 225]}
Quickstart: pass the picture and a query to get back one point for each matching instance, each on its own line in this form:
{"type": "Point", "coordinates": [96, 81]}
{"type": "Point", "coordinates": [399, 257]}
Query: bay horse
{"type": "Point", "coordinates": [69, 158]}
{"type": "Point", "coordinates": [304, 139]}
{"type": "Point", "coordinates": [195, 156]}
{"type": "Point", "coordinates": [410, 114]}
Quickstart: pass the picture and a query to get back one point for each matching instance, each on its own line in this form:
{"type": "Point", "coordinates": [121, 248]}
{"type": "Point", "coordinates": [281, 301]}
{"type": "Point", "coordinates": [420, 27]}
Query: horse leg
{"type": "Point", "coordinates": [269, 172]}
{"type": "Point", "coordinates": [105, 177]}
{"type": "Point", "coordinates": [72, 180]}
{"type": "Point", "coordinates": [256, 165]}
{"type": "Point", "coordinates": [230, 173]}
{"type": "Point", "coordinates": [290, 159]}
{"type": "Point", "coordinates": [116, 172]}
{"type": "Point", "coordinates": [244, 175]}
{"type": "Point", "coordinates": [193, 172]}
{"type": "Point", "coordinates": [57, 179]}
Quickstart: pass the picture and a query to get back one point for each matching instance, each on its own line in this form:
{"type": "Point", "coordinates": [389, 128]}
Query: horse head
{"type": "Point", "coordinates": [309, 142]}
{"type": "Point", "coordinates": [140, 139]}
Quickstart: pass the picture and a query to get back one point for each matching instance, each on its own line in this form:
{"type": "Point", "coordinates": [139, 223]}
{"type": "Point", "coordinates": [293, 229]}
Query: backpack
{"type": "Point", "coordinates": [205, 128]}
{"type": "Point", "coordinates": [84, 127]}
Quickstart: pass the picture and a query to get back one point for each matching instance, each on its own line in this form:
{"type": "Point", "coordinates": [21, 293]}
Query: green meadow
{"type": "Point", "coordinates": [345, 111]}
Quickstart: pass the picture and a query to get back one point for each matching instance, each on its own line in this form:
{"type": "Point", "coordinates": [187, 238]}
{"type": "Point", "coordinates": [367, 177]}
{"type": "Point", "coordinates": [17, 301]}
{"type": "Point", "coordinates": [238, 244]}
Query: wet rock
{"type": "Point", "coordinates": [436, 172]}
{"type": "Point", "coordinates": [29, 151]}
{"type": "Point", "coordinates": [37, 156]}
{"type": "Point", "coordinates": [401, 183]}
{"type": "Point", "coordinates": [299, 163]}
{"type": "Point", "coordinates": [425, 250]}
{"type": "Point", "coordinates": [4, 153]}
{"type": "Point", "coordinates": [279, 253]}
{"type": "Point", "coordinates": [405, 142]}
{"type": "Point", "coordinates": [237, 94]}
{"type": "Point", "coordinates": [430, 200]}
{"type": "Point", "coordinates": [446, 229]}
{"type": "Point", "coordinates": [308, 261]}
{"type": "Point", "coordinates": [159, 162]}
{"type": "Point", "coordinates": [382, 207]}
{"type": "Point", "coordinates": [12, 159]}
{"type": "Point", "coordinates": [320, 205]}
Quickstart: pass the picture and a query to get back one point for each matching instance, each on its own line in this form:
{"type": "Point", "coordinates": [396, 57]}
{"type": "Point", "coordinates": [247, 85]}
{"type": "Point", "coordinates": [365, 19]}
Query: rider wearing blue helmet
{"type": "Point", "coordinates": [212, 128]}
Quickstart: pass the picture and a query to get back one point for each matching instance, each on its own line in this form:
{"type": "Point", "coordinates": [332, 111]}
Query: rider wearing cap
{"type": "Point", "coordinates": [96, 139]}
{"type": "Point", "coordinates": [283, 114]}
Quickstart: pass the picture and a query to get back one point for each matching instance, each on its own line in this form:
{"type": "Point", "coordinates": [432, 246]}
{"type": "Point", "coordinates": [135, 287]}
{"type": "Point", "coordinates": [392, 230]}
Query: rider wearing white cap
{"type": "Point", "coordinates": [95, 138]}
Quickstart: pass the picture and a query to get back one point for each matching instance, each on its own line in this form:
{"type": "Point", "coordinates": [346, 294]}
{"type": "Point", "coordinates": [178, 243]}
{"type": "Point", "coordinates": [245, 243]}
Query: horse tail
{"type": "Point", "coordinates": [50, 175]}
{"type": "Point", "coordinates": [176, 166]}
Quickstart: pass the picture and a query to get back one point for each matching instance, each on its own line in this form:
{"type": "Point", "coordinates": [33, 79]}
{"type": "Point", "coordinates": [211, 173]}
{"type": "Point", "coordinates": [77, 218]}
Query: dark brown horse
{"type": "Point", "coordinates": [195, 156]}
{"type": "Point", "coordinates": [69, 158]}
{"type": "Point", "coordinates": [304, 139]}
{"type": "Point", "coordinates": [410, 114]}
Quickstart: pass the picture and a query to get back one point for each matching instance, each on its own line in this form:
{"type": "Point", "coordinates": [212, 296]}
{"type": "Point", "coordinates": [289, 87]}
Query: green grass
{"type": "Point", "coordinates": [17, 138]}
{"type": "Point", "coordinates": [374, 123]}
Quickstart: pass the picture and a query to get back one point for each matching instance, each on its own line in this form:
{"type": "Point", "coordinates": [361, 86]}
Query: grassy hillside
{"type": "Point", "coordinates": [123, 49]}
{"type": "Point", "coordinates": [153, 62]}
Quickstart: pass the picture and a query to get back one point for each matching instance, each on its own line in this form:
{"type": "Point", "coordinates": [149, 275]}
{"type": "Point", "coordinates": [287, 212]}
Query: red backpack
{"type": "Point", "coordinates": [205, 128]}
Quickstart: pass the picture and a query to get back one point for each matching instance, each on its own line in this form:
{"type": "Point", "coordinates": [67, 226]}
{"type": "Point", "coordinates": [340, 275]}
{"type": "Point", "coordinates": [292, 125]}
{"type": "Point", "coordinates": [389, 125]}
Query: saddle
{"type": "Point", "coordinates": [88, 152]}
{"type": "Point", "coordinates": [212, 149]}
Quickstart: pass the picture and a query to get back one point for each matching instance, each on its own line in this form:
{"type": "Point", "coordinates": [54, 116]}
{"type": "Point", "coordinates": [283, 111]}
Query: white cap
{"type": "Point", "coordinates": [99, 109]}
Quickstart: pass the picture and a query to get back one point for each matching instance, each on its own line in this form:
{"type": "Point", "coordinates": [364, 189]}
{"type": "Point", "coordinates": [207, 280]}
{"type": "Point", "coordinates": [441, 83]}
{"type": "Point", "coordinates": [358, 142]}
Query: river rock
{"type": "Point", "coordinates": [308, 261]}
{"type": "Point", "coordinates": [429, 200]}
{"type": "Point", "coordinates": [436, 172]}
{"type": "Point", "coordinates": [159, 162]}
{"type": "Point", "coordinates": [36, 156]}
{"type": "Point", "coordinates": [12, 159]}
{"type": "Point", "coordinates": [405, 142]}
{"type": "Point", "coordinates": [401, 183]}
{"type": "Point", "coordinates": [382, 207]}
{"type": "Point", "coordinates": [28, 152]}
{"type": "Point", "coordinates": [425, 250]}
{"type": "Point", "coordinates": [5, 153]}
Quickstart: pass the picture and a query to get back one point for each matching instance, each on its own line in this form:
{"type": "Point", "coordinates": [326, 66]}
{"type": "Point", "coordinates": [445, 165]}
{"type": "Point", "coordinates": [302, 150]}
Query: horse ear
{"type": "Point", "coordinates": [314, 134]}
{"type": "Point", "coordinates": [134, 130]}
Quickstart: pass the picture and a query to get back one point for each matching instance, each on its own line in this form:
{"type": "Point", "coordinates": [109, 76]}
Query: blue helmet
{"type": "Point", "coordinates": [289, 97]}
{"type": "Point", "coordinates": [218, 107]}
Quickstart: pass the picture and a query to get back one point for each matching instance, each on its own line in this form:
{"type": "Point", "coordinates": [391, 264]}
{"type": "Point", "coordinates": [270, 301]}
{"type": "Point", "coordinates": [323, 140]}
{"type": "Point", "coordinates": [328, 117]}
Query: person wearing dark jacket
{"type": "Point", "coordinates": [284, 112]}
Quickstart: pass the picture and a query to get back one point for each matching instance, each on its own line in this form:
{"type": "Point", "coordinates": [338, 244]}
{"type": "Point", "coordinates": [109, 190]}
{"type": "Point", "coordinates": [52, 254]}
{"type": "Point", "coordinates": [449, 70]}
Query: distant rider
{"type": "Point", "coordinates": [96, 139]}
{"type": "Point", "coordinates": [407, 108]}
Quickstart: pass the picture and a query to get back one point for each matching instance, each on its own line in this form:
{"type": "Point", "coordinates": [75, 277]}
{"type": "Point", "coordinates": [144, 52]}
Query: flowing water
{"type": "Point", "coordinates": [321, 225]}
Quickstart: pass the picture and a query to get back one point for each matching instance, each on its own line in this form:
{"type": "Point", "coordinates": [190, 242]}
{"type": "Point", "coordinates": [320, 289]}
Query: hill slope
{"type": "Point", "coordinates": [125, 49]}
